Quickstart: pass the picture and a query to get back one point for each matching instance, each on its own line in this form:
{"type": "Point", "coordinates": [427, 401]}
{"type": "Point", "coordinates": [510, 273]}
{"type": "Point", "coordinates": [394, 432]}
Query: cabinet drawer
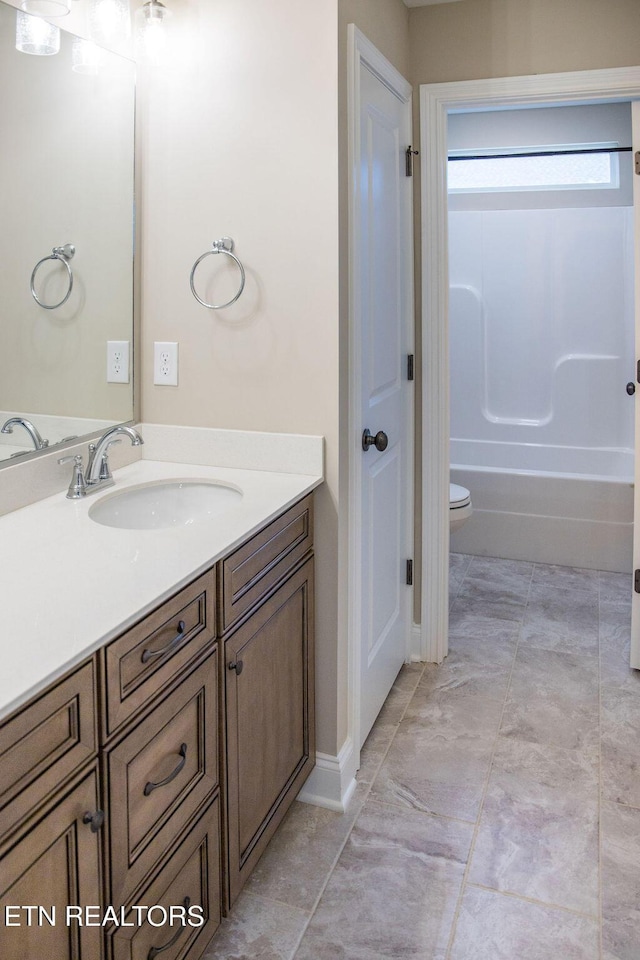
{"type": "Point", "coordinates": [189, 879]}
{"type": "Point", "coordinates": [256, 566]}
{"type": "Point", "coordinates": [152, 654]}
{"type": "Point", "coordinates": [160, 775]}
{"type": "Point", "coordinates": [45, 743]}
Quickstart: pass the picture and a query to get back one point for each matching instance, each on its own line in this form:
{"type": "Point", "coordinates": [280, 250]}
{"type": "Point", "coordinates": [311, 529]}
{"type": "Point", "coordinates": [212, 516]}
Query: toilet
{"type": "Point", "coordinates": [460, 508]}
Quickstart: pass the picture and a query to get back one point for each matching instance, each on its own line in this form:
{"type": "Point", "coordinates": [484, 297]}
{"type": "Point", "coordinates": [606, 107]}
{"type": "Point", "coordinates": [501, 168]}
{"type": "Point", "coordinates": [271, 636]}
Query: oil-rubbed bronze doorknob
{"type": "Point", "coordinates": [631, 388]}
{"type": "Point", "coordinates": [380, 441]}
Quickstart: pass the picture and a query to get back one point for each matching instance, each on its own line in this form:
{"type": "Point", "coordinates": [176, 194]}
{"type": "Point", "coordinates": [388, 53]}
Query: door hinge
{"type": "Point", "coordinates": [638, 371]}
{"type": "Point", "coordinates": [410, 573]}
{"type": "Point", "coordinates": [411, 374]}
{"type": "Point", "coordinates": [410, 154]}
{"type": "Point", "coordinates": [638, 162]}
{"type": "Point", "coordinates": [636, 581]}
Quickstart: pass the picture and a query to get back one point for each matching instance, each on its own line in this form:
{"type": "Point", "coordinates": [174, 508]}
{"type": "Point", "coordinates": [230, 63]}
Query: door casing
{"type": "Point", "coordinates": [436, 101]}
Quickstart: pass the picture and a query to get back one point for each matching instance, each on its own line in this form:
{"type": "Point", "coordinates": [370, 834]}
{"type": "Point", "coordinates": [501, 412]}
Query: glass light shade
{"type": "Point", "coordinates": [46, 8]}
{"type": "Point", "coordinates": [36, 36]}
{"type": "Point", "coordinates": [150, 32]}
{"type": "Point", "coordinates": [109, 21]}
{"type": "Point", "coordinates": [86, 57]}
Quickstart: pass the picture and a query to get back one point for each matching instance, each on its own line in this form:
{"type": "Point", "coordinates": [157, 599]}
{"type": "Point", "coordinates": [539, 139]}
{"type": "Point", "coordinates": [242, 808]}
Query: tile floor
{"type": "Point", "coordinates": [497, 814]}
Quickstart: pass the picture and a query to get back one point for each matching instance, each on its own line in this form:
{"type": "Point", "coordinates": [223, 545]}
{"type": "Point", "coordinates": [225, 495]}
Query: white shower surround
{"type": "Point", "coordinates": [541, 340]}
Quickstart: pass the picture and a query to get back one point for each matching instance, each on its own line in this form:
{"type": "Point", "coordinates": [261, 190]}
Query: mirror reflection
{"type": "Point", "coordinates": [66, 245]}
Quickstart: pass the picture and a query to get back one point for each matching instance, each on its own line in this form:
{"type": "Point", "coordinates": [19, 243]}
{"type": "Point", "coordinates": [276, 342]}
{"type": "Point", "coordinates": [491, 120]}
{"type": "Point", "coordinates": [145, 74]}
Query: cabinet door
{"type": "Point", "coordinates": [55, 865]}
{"type": "Point", "coordinates": [269, 685]}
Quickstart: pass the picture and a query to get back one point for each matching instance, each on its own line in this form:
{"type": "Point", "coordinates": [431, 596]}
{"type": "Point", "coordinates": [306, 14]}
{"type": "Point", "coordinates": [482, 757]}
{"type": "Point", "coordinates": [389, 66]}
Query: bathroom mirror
{"type": "Point", "coordinates": [67, 176]}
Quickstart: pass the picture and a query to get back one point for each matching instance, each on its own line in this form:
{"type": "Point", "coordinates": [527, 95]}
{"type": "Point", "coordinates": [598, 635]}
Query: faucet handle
{"type": "Point", "coordinates": [77, 487]}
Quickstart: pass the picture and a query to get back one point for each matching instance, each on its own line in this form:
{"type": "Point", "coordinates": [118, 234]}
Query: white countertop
{"type": "Point", "coordinates": [69, 584]}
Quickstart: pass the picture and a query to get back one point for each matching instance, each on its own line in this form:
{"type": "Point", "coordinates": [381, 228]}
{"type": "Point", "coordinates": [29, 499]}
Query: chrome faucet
{"type": "Point", "coordinates": [38, 442]}
{"type": "Point", "coordinates": [98, 475]}
{"type": "Point", "coordinates": [98, 467]}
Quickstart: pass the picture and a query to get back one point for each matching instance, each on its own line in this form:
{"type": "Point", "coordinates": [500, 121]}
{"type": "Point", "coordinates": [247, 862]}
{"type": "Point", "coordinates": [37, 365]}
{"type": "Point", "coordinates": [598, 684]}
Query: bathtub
{"type": "Point", "coordinates": [550, 504]}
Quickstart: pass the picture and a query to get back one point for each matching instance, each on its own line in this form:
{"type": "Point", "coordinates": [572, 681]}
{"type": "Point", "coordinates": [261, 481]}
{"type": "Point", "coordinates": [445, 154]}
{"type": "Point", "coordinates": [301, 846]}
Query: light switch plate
{"type": "Point", "coordinates": [165, 364]}
{"type": "Point", "coordinates": [117, 361]}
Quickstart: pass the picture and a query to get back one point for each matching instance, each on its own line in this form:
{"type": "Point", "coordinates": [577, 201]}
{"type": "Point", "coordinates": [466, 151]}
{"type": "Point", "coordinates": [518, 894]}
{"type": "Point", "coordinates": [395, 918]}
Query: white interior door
{"type": "Point", "coordinates": [635, 607]}
{"type": "Point", "coordinates": [383, 254]}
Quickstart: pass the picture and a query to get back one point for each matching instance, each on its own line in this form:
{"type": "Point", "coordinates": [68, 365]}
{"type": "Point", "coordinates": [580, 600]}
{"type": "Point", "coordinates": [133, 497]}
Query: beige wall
{"type": "Point", "coordinates": [476, 39]}
{"type": "Point", "coordinates": [384, 22]}
{"type": "Point", "coordinates": [239, 138]}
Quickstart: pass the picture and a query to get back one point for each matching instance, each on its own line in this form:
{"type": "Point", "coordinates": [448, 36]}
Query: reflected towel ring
{"type": "Point", "coordinates": [219, 246]}
{"type": "Point", "coordinates": [63, 254]}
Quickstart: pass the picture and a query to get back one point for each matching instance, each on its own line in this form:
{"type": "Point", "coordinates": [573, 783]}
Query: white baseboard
{"type": "Point", "coordinates": [332, 780]}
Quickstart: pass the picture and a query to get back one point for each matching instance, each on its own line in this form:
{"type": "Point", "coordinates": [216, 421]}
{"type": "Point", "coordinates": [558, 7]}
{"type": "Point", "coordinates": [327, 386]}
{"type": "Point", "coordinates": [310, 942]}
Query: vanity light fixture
{"type": "Point", "coordinates": [46, 8]}
{"type": "Point", "coordinates": [150, 33]}
{"type": "Point", "coordinates": [36, 36]}
{"type": "Point", "coordinates": [109, 21]}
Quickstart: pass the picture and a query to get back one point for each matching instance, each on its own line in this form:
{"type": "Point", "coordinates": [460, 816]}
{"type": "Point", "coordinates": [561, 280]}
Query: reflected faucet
{"type": "Point", "coordinates": [98, 471]}
{"type": "Point", "coordinates": [38, 442]}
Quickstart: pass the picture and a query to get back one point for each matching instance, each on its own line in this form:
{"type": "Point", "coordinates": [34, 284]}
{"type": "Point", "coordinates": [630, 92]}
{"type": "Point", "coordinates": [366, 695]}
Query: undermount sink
{"type": "Point", "coordinates": [165, 503]}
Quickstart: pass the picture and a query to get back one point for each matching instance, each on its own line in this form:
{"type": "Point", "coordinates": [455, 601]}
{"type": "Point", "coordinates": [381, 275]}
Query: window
{"type": "Point", "coordinates": [542, 168]}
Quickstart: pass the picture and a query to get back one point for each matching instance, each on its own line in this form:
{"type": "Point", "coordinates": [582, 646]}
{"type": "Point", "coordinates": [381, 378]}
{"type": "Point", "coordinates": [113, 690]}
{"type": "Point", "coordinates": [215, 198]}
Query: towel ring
{"type": "Point", "coordinates": [63, 254]}
{"type": "Point", "coordinates": [219, 246]}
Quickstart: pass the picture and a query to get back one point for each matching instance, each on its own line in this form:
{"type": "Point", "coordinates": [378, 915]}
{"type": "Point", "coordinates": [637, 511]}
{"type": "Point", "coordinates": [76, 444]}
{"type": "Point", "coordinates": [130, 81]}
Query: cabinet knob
{"type": "Point", "coordinates": [236, 665]}
{"type": "Point", "coordinates": [95, 819]}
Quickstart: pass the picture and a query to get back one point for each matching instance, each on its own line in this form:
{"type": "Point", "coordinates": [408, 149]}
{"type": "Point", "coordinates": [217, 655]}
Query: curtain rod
{"type": "Point", "coordinates": [542, 153]}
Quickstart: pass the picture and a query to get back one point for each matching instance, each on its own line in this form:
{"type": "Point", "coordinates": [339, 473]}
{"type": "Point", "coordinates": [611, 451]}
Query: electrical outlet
{"type": "Point", "coordinates": [165, 364]}
{"type": "Point", "coordinates": [117, 361]}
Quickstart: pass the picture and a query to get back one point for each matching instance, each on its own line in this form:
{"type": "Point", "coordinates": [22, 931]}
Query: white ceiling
{"type": "Point", "coordinates": [426, 3]}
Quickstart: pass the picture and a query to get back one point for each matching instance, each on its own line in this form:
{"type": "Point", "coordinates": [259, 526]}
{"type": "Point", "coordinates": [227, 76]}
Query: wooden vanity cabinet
{"type": "Point", "coordinates": [50, 819]}
{"type": "Point", "coordinates": [156, 772]}
{"type": "Point", "coordinates": [266, 622]}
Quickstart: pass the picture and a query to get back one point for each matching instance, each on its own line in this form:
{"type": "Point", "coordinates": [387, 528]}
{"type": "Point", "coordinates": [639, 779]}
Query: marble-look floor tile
{"type": "Point", "coordinates": [439, 759]}
{"type": "Point", "coordinates": [616, 587]}
{"type": "Point", "coordinates": [394, 889]}
{"type": "Point", "coordinates": [299, 858]}
{"type": "Point", "coordinates": [458, 566]}
{"type": "Point", "coordinates": [568, 579]}
{"type": "Point", "coordinates": [615, 646]}
{"type": "Point", "coordinates": [258, 929]}
{"type": "Point", "coordinates": [553, 621]}
{"type": "Point", "coordinates": [621, 741]}
{"type": "Point", "coordinates": [384, 729]}
{"type": "Point", "coordinates": [494, 927]}
{"type": "Point", "coordinates": [553, 698]}
{"type": "Point", "coordinates": [620, 882]}
{"type": "Point", "coordinates": [479, 663]}
{"type": "Point", "coordinates": [512, 575]}
{"type": "Point", "coordinates": [495, 588]}
{"type": "Point", "coordinates": [538, 834]}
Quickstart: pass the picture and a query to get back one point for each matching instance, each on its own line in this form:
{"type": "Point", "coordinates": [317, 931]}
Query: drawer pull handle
{"type": "Point", "coordinates": [152, 654]}
{"type": "Point", "coordinates": [150, 787]}
{"type": "Point", "coordinates": [95, 819]}
{"type": "Point", "coordinates": [237, 665]}
{"type": "Point", "coordinates": [154, 951]}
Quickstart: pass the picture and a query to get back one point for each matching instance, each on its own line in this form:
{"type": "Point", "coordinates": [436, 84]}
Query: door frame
{"type": "Point", "coordinates": [436, 101]}
{"type": "Point", "coordinates": [362, 52]}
